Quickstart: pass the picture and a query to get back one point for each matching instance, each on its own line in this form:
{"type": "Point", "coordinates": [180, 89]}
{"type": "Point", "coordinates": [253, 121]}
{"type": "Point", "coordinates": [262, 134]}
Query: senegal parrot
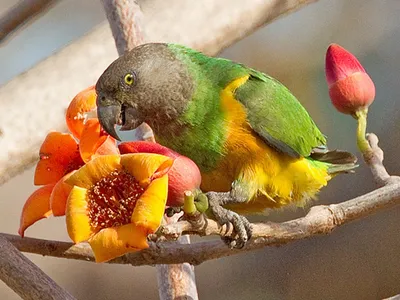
{"type": "Point", "coordinates": [256, 146]}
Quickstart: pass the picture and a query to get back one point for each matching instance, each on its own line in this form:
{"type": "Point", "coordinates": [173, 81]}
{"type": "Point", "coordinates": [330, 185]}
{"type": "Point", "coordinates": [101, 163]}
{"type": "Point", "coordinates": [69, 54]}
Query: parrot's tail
{"type": "Point", "coordinates": [338, 161]}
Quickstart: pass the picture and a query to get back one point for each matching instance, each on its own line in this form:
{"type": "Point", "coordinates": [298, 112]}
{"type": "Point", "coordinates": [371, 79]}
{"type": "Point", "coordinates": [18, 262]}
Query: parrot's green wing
{"type": "Point", "coordinates": [278, 117]}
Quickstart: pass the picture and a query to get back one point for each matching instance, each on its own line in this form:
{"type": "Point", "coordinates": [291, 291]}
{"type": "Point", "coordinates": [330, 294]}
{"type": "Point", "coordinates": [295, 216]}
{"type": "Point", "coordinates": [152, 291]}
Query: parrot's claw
{"type": "Point", "coordinates": [242, 229]}
{"type": "Point", "coordinates": [242, 233]}
{"type": "Point", "coordinates": [171, 211]}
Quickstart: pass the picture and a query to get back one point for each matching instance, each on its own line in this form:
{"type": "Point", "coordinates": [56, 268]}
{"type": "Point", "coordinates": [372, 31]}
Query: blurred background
{"type": "Point", "coordinates": [357, 261]}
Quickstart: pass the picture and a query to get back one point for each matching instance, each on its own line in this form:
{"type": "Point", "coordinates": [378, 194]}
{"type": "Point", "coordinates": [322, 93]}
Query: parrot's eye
{"type": "Point", "coordinates": [129, 79]}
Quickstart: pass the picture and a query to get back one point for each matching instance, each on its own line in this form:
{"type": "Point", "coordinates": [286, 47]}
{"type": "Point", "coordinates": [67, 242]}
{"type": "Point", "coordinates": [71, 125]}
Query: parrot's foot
{"type": "Point", "coordinates": [171, 211]}
{"type": "Point", "coordinates": [242, 227]}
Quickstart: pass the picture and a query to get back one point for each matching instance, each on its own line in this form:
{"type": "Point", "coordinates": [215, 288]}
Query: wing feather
{"type": "Point", "coordinates": [278, 117]}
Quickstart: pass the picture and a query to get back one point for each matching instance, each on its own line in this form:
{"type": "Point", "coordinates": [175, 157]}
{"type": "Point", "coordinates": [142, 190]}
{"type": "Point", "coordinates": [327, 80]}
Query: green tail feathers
{"type": "Point", "coordinates": [338, 161]}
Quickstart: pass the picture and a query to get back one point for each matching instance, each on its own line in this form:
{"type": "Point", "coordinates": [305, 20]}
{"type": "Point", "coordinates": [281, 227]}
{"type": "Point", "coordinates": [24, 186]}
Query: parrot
{"type": "Point", "coordinates": [256, 146]}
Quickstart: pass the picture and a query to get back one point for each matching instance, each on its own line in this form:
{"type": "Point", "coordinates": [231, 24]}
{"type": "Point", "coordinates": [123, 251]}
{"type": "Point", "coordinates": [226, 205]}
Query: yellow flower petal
{"type": "Point", "coordinates": [36, 207]}
{"type": "Point", "coordinates": [77, 218]}
{"type": "Point", "coordinates": [112, 242]}
{"type": "Point", "coordinates": [150, 207]}
{"type": "Point", "coordinates": [142, 166]}
{"type": "Point", "coordinates": [94, 170]}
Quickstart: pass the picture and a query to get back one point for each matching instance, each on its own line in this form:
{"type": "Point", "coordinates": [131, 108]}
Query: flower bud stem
{"type": "Point", "coordinates": [362, 143]}
{"type": "Point", "coordinates": [188, 206]}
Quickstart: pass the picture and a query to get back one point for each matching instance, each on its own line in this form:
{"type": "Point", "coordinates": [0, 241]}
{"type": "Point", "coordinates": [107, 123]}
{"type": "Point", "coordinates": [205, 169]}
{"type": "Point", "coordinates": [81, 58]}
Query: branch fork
{"type": "Point", "coordinates": [374, 159]}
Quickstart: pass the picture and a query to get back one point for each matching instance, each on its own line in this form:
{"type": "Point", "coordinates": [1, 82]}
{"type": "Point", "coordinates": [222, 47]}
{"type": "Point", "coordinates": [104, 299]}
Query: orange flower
{"type": "Point", "coordinates": [36, 207]}
{"type": "Point", "coordinates": [58, 156]}
{"type": "Point", "coordinates": [112, 201]}
{"type": "Point", "coordinates": [59, 195]}
{"type": "Point", "coordinates": [116, 201]}
{"type": "Point", "coordinates": [95, 142]}
{"type": "Point", "coordinates": [82, 122]}
{"type": "Point", "coordinates": [79, 109]}
{"type": "Point", "coordinates": [61, 154]}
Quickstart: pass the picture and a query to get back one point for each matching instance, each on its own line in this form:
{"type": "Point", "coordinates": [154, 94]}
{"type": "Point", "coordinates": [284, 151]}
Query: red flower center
{"type": "Point", "coordinates": [112, 200]}
{"type": "Point", "coordinates": [74, 164]}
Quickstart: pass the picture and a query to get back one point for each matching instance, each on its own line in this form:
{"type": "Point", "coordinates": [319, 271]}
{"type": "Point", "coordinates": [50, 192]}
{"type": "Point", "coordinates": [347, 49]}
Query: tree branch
{"type": "Point", "coordinates": [320, 220]}
{"type": "Point", "coordinates": [374, 159]}
{"type": "Point", "coordinates": [177, 281]}
{"type": "Point", "coordinates": [206, 25]}
{"type": "Point", "coordinates": [125, 19]}
{"type": "Point", "coordinates": [25, 278]}
{"type": "Point", "coordinates": [20, 14]}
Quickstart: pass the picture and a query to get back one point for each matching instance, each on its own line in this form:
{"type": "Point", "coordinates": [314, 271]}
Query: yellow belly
{"type": "Point", "coordinates": [273, 179]}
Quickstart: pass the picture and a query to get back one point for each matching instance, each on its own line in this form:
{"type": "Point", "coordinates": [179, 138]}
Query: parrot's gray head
{"type": "Point", "coordinates": [147, 84]}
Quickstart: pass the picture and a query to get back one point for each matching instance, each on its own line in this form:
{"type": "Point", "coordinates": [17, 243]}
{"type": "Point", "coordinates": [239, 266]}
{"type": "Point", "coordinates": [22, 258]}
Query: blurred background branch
{"type": "Point", "coordinates": [25, 278]}
{"type": "Point", "coordinates": [125, 18]}
{"type": "Point", "coordinates": [20, 14]}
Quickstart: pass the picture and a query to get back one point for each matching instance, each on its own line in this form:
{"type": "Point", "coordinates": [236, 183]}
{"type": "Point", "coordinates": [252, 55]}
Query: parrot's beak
{"type": "Point", "coordinates": [130, 118]}
{"type": "Point", "coordinates": [109, 116]}
{"type": "Point", "coordinates": [112, 115]}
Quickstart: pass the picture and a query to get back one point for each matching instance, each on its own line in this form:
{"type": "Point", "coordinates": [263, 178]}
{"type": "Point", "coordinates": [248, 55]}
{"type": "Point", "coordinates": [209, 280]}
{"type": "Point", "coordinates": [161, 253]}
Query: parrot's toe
{"type": "Point", "coordinates": [171, 211]}
{"type": "Point", "coordinates": [242, 228]}
{"type": "Point", "coordinates": [242, 231]}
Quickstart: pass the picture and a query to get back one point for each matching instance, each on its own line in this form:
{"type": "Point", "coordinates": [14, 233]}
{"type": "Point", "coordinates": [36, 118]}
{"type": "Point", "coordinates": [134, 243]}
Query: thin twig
{"type": "Point", "coordinates": [21, 13]}
{"type": "Point", "coordinates": [320, 220]}
{"type": "Point", "coordinates": [25, 278]}
{"type": "Point", "coordinates": [374, 159]}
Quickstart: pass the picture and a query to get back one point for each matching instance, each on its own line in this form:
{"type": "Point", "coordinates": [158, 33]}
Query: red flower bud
{"type": "Point", "coordinates": [350, 87]}
{"type": "Point", "coordinates": [184, 174]}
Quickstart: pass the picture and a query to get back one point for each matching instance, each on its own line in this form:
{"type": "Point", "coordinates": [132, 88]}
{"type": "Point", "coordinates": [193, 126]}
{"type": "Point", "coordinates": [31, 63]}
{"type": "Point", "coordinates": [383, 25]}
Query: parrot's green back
{"type": "Point", "coordinates": [276, 115]}
{"type": "Point", "coordinates": [272, 111]}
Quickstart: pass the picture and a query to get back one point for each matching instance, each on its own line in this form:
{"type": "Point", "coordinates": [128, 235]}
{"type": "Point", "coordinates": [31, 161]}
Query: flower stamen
{"type": "Point", "coordinates": [113, 199]}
